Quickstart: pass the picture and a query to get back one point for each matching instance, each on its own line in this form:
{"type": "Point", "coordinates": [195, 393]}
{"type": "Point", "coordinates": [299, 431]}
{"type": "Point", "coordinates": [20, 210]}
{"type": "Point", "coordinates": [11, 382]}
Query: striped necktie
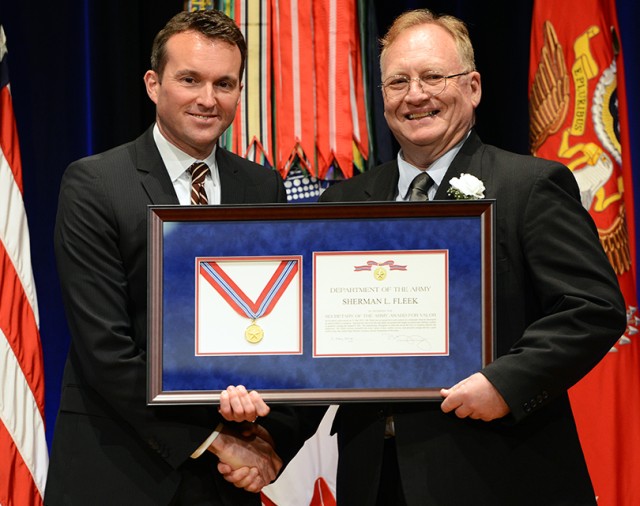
{"type": "Point", "coordinates": [419, 187]}
{"type": "Point", "coordinates": [198, 172]}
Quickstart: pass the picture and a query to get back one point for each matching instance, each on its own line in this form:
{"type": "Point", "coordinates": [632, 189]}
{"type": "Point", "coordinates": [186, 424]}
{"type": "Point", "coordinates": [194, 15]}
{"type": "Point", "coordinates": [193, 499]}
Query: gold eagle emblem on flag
{"type": "Point", "coordinates": [549, 102]}
{"type": "Point", "coordinates": [550, 95]}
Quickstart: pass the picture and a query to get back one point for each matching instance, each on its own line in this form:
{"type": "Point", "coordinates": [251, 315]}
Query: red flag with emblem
{"type": "Point", "coordinates": [578, 116]}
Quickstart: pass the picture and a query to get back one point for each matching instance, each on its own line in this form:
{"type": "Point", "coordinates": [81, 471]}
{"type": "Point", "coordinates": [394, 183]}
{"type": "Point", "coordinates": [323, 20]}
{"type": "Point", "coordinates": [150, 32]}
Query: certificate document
{"type": "Point", "coordinates": [381, 303]}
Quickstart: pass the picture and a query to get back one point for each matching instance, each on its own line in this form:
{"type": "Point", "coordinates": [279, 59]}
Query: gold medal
{"type": "Point", "coordinates": [380, 273]}
{"type": "Point", "coordinates": [254, 333]}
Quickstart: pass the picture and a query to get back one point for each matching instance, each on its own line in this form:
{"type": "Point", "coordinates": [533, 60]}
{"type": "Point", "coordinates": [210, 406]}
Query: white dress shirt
{"type": "Point", "coordinates": [436, 172]}
{"type": "Point", "coordinates": [177, 162]}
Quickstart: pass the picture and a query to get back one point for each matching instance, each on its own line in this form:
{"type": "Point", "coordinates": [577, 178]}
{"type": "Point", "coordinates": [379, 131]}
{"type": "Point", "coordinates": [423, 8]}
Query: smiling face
{"type": "Point", "coordinates": [198, 92]}
{"type": "Point", "coordinates": [427, 126]}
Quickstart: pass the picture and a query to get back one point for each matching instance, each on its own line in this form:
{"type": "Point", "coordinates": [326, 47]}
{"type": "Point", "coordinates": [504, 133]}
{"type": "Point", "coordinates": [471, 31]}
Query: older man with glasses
{"type": "Point", "coordinates": [505, 435]}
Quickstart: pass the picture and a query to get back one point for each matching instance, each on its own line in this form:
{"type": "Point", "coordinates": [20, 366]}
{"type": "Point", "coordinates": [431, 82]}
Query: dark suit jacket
{"type": "Point", "coordinates": [559, 310]}
{"type": "Point", "coordinates": [109, 447]}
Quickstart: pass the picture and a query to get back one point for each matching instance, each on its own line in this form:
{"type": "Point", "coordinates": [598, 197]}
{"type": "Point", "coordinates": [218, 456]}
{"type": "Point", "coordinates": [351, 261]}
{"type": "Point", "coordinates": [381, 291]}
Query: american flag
{"type": "Point", "coordinates": [23, 447]}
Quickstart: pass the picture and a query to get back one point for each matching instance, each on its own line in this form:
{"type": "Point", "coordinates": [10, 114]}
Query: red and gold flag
{"type": "Point", "coordinates": [578, 116]}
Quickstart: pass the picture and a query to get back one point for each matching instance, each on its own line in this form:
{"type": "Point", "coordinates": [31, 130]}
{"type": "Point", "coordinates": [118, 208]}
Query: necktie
{"type": "Point", "coordinates": [419, 187]}
{"type": "Point", "coordinates": [198, 172]}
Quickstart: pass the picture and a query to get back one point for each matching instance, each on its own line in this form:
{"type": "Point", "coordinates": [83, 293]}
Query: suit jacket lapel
{"type": "Point", "coordinates": [232, 187]}
{"type": "Point", "coordinates": [468, 160]}
{"type": "Point", "coordinates": [153, 174]}
{"type": "Point", "coordinates": [384, 184]}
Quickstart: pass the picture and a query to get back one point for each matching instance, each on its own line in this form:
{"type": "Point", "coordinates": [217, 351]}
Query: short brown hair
{"type": "Point", "coordinates": [451, 24]}
{"type": "Point", "coordinates": [213, 24]}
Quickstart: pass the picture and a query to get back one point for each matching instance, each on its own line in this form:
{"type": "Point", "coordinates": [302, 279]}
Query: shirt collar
{"type": "Point", "coordinates": [436, 171]}
{"type": "Point", "coordinates": [177, 161]}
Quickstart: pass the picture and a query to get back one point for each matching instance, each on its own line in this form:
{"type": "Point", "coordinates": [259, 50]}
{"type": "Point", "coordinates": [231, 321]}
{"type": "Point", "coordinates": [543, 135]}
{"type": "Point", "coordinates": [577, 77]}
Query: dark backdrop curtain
{"type": "Point", "coordinates": [76, 70]}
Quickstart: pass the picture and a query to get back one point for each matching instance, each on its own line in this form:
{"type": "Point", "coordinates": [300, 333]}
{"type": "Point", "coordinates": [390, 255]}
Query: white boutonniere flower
{"type": "Point", "coordinates": [466, 187]}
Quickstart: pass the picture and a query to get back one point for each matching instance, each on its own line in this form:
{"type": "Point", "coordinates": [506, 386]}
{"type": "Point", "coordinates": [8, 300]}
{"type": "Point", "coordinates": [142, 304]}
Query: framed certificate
{"type": "Point", "coordinates": [319, 303]}
{"type": "Point", "coordinates": [396, 305]}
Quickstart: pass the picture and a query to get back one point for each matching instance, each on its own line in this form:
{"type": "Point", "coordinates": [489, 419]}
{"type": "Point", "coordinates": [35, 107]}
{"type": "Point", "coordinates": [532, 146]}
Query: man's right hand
{"type": "Point", "coordinates": [249, 462]}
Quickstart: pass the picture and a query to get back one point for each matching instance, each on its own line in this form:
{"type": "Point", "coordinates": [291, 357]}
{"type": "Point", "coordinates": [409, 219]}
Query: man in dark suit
{"type": "Point", "coordinates": [109, 447]}
{"type": "Point", "coordinates": [504, 436]}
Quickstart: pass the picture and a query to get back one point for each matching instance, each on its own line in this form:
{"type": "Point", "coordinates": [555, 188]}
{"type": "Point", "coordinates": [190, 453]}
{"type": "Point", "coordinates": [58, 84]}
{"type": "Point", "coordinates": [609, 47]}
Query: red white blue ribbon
{"type": "Point", "coordinates": [238, 300]}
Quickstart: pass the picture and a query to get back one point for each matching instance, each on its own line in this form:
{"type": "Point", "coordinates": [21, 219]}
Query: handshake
{"type": "Point", "coordinates": [246, 453]}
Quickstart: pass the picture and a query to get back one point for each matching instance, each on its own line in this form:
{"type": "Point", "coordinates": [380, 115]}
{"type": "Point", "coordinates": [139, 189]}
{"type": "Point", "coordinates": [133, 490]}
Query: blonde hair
{"type": "Point", "coordinates": [456, 28]}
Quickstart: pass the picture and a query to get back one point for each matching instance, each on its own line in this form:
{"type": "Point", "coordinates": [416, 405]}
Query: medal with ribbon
{"type": "Point", "coordinates": [241, 303]}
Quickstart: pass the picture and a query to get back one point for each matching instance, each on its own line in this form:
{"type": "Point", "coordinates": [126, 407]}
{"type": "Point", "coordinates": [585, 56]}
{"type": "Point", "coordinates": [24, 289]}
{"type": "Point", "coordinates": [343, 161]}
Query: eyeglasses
{"type": "Point", "coordinates": [396, 87]}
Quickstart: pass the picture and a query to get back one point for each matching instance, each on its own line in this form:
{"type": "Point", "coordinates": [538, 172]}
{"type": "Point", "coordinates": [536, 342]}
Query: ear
{"type": "Point", "coordinates": [476, 88]}
{"type": "Point", "coordinates": [152, 83]}
{"type": "Point", "coordinates": [240, 94]}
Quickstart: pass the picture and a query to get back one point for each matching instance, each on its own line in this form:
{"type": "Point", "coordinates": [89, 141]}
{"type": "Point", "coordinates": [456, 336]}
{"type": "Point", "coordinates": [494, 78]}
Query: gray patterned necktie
{"type": "Point", "coordinates": [419, 187]}
{"type": "Point", "coordinates": [198, 172]}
